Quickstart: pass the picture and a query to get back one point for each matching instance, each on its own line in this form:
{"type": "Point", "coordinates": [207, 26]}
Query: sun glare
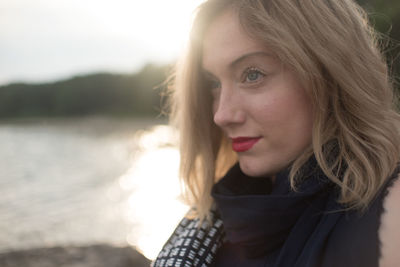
{"type": "Point", "coordinates": [160, 27]}
{"type": "Point", "coordinates": [153, 205]}
{"type": "Point", "coordinates": [73, 36]}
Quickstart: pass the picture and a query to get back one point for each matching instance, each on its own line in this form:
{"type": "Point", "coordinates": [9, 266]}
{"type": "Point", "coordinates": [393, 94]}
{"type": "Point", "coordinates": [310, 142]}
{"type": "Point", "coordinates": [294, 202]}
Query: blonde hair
{"type": "Point", "coordinates": [333, 50]}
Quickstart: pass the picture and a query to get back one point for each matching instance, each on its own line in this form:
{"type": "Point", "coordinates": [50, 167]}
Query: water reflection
{"type": "Point", "coordinates": [88, 181]}
{"type": "Point", "coordinates": [153, 205]}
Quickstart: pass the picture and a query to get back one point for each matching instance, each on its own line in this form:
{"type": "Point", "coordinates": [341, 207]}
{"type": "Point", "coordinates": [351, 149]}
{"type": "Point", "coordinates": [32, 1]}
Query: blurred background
{"type": "Point", "coordinates": [86, 157]}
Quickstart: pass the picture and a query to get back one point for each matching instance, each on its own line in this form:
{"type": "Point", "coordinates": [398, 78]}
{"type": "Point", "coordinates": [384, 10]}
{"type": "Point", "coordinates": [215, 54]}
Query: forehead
{"type": "Point", "coordinates": [226, 40]}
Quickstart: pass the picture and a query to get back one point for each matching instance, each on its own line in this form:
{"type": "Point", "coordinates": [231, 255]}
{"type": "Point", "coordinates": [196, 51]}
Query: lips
{"type": "Point", "coordinates": [241, 144]}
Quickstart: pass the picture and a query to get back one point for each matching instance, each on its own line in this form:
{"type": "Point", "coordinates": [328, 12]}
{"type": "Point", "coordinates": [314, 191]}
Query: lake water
{"type": "Point", "coordinates": [88, 181]}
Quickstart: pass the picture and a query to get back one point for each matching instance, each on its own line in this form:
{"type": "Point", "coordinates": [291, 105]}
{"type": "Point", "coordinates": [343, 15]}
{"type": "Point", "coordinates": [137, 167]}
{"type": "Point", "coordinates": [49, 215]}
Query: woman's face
{"type": "Point", "coordinates": [257, 101]}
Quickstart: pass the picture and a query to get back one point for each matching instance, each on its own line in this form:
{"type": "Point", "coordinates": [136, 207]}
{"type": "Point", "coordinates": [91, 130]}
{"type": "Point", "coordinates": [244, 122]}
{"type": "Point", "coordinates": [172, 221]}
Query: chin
{"type": "Point", "coordinates": [253, 170]}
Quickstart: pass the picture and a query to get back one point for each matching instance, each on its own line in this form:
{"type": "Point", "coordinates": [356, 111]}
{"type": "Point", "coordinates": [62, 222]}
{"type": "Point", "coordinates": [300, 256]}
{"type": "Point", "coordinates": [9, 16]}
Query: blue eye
{"type": "Point", "coordinates": [213, 84]}
{"type": "Point", "coordinates": [252, 75]}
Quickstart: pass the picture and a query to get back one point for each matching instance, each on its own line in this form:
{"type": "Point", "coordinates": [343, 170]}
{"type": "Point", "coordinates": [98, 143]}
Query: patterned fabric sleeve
{"type": "Point", "coordinates": [192, 244]}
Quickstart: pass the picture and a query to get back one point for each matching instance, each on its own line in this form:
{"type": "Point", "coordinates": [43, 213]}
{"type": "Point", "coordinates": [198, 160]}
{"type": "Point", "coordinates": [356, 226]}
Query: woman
{"type": "Point", "coordinates": [289, 139]}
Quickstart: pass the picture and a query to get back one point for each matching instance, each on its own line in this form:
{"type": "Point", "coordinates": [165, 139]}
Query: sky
{"type": "Point", "coordinates": [48, 40]}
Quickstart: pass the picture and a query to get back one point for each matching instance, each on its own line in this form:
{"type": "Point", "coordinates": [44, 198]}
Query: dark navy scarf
{"type": "Point", "coordinates": [259, 223]}
{"type": "Point", "coordinates": [271, 222]}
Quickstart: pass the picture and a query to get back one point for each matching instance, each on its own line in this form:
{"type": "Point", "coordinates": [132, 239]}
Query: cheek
{"type": "Point", "coordinates": [214, 97]}
{"type": "Point", "coordinates": [214, 106]}
{"type": "Point", "coordinates": [289, 112]}
{"type": "Point", "coordinates": [298, 115]}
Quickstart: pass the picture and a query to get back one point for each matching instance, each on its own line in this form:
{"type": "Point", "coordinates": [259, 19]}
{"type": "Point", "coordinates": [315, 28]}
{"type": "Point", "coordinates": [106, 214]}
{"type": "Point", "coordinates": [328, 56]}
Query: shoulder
{"type": "Point", "coordinates": [193, 240]}
{"type": "Point", "coordinates": [389, 231]}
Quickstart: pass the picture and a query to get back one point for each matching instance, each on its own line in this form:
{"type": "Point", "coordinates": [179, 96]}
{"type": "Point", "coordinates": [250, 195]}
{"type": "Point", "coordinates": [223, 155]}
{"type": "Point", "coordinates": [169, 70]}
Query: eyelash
{"type": "Point", "coordinates": [214, 84]}
{"type": "Point", "coordinates": [252, 70]}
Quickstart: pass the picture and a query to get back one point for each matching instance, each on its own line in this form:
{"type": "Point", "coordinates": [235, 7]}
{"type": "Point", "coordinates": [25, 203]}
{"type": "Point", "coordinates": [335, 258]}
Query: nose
{"type": "Point", "coordinates": [228, 109]}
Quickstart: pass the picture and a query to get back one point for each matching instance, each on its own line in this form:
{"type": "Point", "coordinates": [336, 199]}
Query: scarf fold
{"type": "Point", "coordinates": [258, 216]}
{"type": "Point", "coordinates": [260, 223]}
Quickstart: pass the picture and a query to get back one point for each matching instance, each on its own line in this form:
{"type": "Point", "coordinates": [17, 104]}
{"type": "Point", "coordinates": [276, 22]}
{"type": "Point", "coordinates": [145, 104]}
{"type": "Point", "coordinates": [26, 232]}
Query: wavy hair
{"type": "Point", "coordinates": [336, 55]}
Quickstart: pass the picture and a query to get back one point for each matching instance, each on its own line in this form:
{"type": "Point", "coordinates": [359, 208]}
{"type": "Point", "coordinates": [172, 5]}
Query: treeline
{"type": "Point", "coordinates": [385, 17]}
{"type": "Point", "coordinates": [139, 94]}
{"type": "Point", "coordinates": [96, 94]}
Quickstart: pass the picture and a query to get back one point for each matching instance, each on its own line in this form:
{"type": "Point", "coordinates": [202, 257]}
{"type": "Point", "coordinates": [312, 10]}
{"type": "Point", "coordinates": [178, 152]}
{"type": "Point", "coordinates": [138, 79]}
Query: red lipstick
{"type": "Point", "coordinates": [241, 144]}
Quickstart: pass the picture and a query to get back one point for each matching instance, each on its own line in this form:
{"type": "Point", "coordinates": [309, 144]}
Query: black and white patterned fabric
{"type": "Point", "coordinates": [192, 244]}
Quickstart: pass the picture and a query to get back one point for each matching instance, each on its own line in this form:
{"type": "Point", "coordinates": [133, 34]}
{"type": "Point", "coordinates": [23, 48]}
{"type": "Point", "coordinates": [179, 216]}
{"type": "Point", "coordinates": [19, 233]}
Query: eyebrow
{"type": "Point", "coordinates": [245, 56]}
{"type": "Point", "coordinates": [238, 61]}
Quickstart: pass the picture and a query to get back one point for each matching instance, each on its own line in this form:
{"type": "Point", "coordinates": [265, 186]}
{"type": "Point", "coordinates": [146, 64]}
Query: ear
{"type": "Point", "coordinates": [389, 231]}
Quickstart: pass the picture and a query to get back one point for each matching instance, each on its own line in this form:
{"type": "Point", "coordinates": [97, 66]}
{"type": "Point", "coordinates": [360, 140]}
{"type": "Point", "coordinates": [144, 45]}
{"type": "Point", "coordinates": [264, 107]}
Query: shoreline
{"type": "Point", "coordinates": [96, 255]}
